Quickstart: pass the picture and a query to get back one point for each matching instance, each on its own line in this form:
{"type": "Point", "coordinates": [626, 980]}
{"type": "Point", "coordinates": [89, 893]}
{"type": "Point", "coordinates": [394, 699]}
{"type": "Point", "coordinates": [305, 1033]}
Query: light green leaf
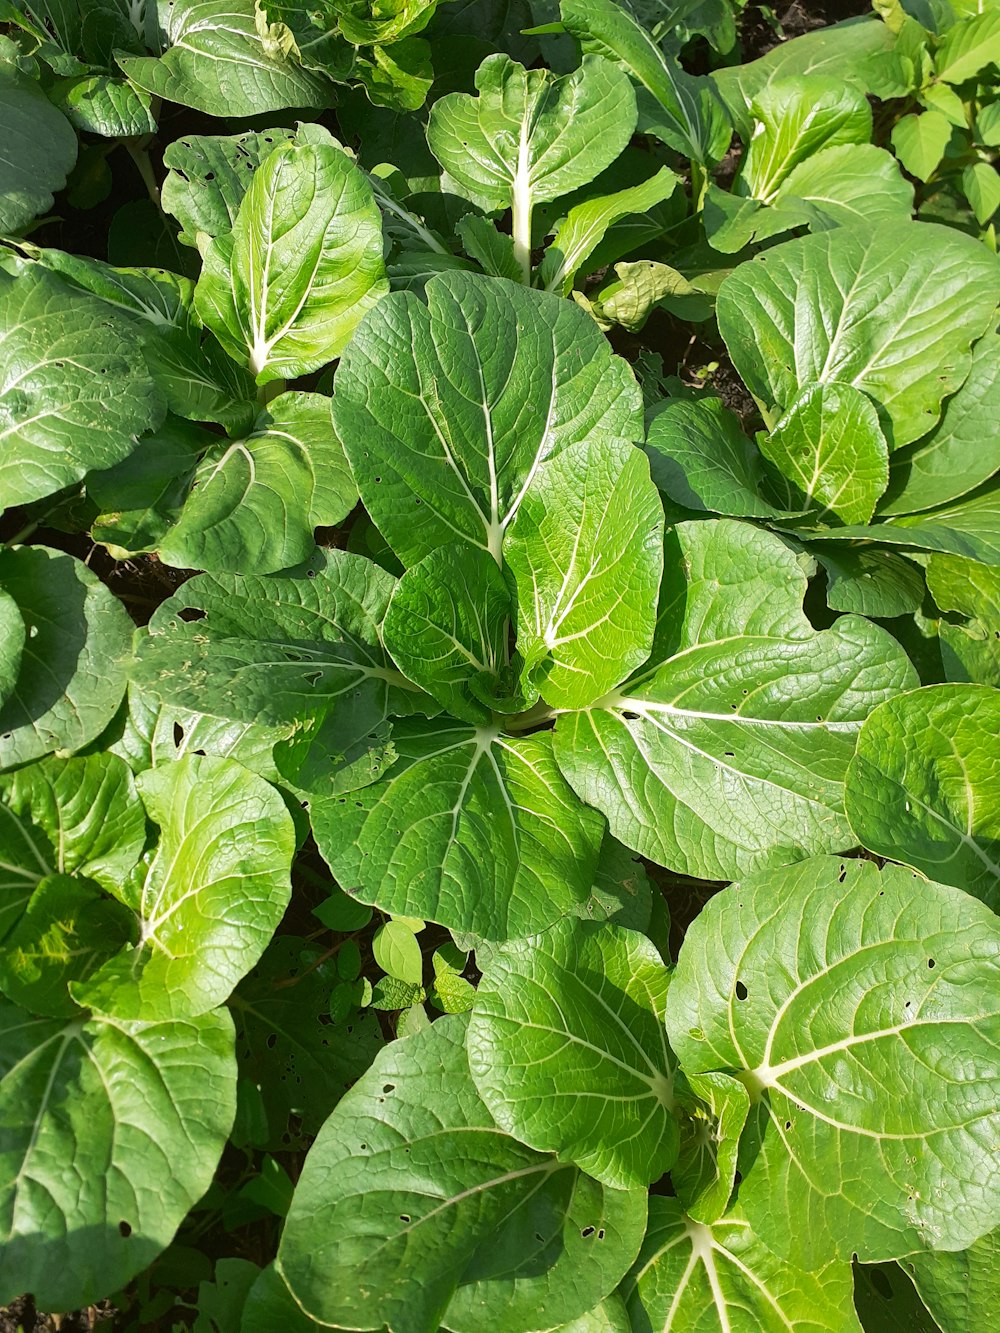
{"type": "Point", "coordinates": [970, 651]}
{"type": "Point", "coordinates": [12, 636]}
{"type": "Point", "coordinates": [951, 461]}
{"type": "Point", "coordinates": [586, 223]}
{"type": "Point", "coordinates": [469, 828]}
{"type": "Point", "coordinates": [961, 1290]}
{"type": "Point", "coordinates": [909, 350]}
{"type": "Point", "coordinates": [414, 1210]}
{"type": "Point", "coordinates": [796, 117]}
{"type": "Point", "coordinates": [608, 1317]}
{"type": "Point", "coordinates": [700, 457]}
{"type": "Point", "coordinates": [844, 186]}
{"type": "Point", "coordinates": [301, 650]}
{"type": "Point", "coordinates": [447, 627]}
{"type": "Point", "coordinates": [968, 48]}
{"type": "Point", "coordinates": [863, 1016]}
{"type": "Point", "coordinates": [714, 1112]}
{"type": "Point", "coordinates": [830, 447]}
{"type": "Point", "coordinates": [208, 175]}
{"type": "Point", "coordinates": [142, 1109]}
{"type": "Point", "coordinates": [397, 951]}
{"type": "Point", "coordinates": [567, 1048]}
{"type": "Point", "coordinates": [924, 785]}
{"type": "Point", "coordinates": [586, 554]}
{"type": "Point", "coordinates": [492, 250]}
{"type": "Point", "coordinates": [73, 665]}
{"type": "Point", "coordinates": [76, 394]}
{"type": "Point", "coordinates": [641, 286]}
{"type": "Point", "coordinates": [970, 527]}
{"type": "Point", "coordinates": [257, 500]}
{"type": "Point", "coordinates": [448, 410]}
{"type": "Point", "coordinates": [212, 897]}
{"type": "Point", "coordinates": [38, 152]}
{"type": "Point", "coordinates": [988, 125]}
{"type": "Point", "coordinates": [728, 750]}
{"type": "Point", "coordinates": [678, 108]}
{"type": "Point", "coordinates": [77, 816]}
{"type": "Point", "coordinates": [270, 1305]}
{"type": "Point", "coordinates": [870, 582]}
{"type": "Point", "coordinates": [215, 61]}
{"type": "Point", "coordinates": [101, 105]}
{"type": "Point", "coordinates": [285, 289]}
{"type": "Point", "coordinates": [721, 1278]}
{"type": "Point", "coordinates": [981, 187]}
{"type": "Point", "coordinates": [920, 141]}
{"type": "Point", "coordinates": [68, 929]}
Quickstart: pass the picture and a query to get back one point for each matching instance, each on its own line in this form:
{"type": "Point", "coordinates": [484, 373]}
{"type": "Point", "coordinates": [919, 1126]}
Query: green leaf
{"type": "Point", "coordinates": [214, 61]}
{"type": "Point", "coordinates": [870, 582]}
{"type": "Point", "coordinates": [700, 457]}
{"type": "Point", "coordinates": [797, 117]}
{"type": "Point", "coordinates": [681, 110]}
{"type": "Point", "coordinates": [988, 125]}
{"type": "Point", "coordinates": [73, 665]}
{"type": "Point", "coordinates": [961, 1290]}
{"type": "Point", "coordinates": [413, 1209]}
{"type": "Point", "coordinates": [469, 828]}
{"type": "Point", "coordinates": [830, 447]}
{"type": "Point", "coordinates": [567, 1048]}
{"type": "Point", "coordinates": [970, 527]}
{"type": "Point", "coordinates": [924, 789]}
{"type": "Point", "coordinates": [715, 1109]}
{"type": "Point", "coordinates": [622, 892]}
{"type": "Point", "coordinates": [530, 136]}
{"type": "Point", "coordinates": [886, 1301]}
{"type": "Point", "coordinates": [968, 48]}
{"type": "Point", "coordinates": [728, 750]}
{"type": "Point", "coordinates": [101, 105]}
{"type": "Point", "coordinates": [920, 141]}
{"type": "Point", "coordinates": [448, 410]}
{"type": "Point", "coordinates": [982, 189]}
{"type": "Point", "coordinates": [447, 627]}
{"type": "Point", "coordinates": [492, 250]}
{"type": "Point", "coordinates": [76, 393]}
{"type": "Point", "coordinates": [862, 1016]}
{"type": "Point", "coordinates": [721, 1277]}
{"type": "Point", "coordinates": [12, 636]}
{"type": "Point", "coordinates": [208, 175]}
{"type": "Point", "coordinates": [142, 1109]}
{"type": "Point", "coordinates": [287, 1044]}
{"type": "Point", "coordinates": [951, 461]}
{"type": "Point", "coordinates": [586, 554]}
{"type": "Point", "coordinates": [452, 994]}
{"type": "Point", "coordinates": [206, 908]}
{"type": "Point", "coordinates": [908, 351]}
{"type": "Point", "coordinates": [38, 153]}
{"type": "Point", "coordinates": [640, 287]}
{"type": "Point", "coordinates": [285, 289]}
{"type": "Point", "coordinates": [77, 816]}
{"type": "Point", "coordinates": [68, 929]}
{"type": "Point", "coordinates": [839, 187]}
{"type": "Point", "coordinates": [397, 951]}
{"type": "Point", "coordinates": [257, 500]}
{"type": "Point", "coordinates": [270, 1305]}
{"type": "Point", "coordinates": [301, 650]}
{"type": "Point", "coordinates": [970, 651]}
{"type": "Point", "coordinates": [587, 223]}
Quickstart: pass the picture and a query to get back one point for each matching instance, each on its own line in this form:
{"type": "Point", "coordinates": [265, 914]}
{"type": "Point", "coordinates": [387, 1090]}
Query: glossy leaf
{"type": "Point", "coordinates": [970, 650]}
{"type": "Point", "coordinates": [728, 750]}
{"type": "Point", "coordinates": [567, 1049]}
{"type": "Point", "coordinates": [714, 1110]}
{"type": "Point", "coordinates": [960, 1290]}
{"type": "Point", "coordinates": [924, 785]}
{"type": "Point", "coordinates": [38, 152]}
{"type": "Point", "coordinates": [861, 1016]}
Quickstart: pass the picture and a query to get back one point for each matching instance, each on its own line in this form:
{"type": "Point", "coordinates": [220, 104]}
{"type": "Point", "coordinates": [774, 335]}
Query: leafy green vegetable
{"type": "Point", "coordinates": [38, 152]}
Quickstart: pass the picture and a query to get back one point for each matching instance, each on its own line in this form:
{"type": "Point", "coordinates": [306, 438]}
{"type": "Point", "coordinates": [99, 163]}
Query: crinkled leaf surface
{"type": "Point", "coordinates": [721, 1278]}
{"type": "Point", "coordinates": [215, 61]}
{"type": "Point", "coordinates": [257, 500]}
{"type": "Point", "coordinates": [970, 528]}
{"type": "Point", "coordinates": [960, 1290]}
{"type": "Point", "coordinates": [448, 410]}
{"type": "Point", "coordinates": [830, 448]}
{"type": "Point", "coordinates": [413, 1209]}
{"type": "Point", "coordinates": [970, 650]}
{"type": "Point", "coordinates": [530, 134]}
{"type": "Point", "coordinates": [924, 785]}
{"type": "Point", "coordinates": [39, 150]}
{"type": "Point", "coordinates": [78, 816]}
{"type": "Point", "coordinates": [714, 1109]}
{"type": "Point", "coordinates": [728, 750]}
{"type": "Point", "coordinates": [142, 1110]}
{"type": "Point", "coordinates": [891, 310]}
{"type": "Point", "coordinates": [212, 897]}
{"type": "Point", "coordinates": [73, 665]}
{"type": "Point", "coordinates": [447, 627]}
{"type": "Point", "coordinates": [567, 1048]}
{"type": "Point", "coordinates": [862, 1009]}
{"type": "Point", "coordinates": [473, 829]}
{"type": "Point", "coordinates": [285, 289]}
{"type": "Point", "coordinates": [76, 391]}
{"type": "Point", "coordinates": [870, 582]}
{"type": "Point", "coordinates": [586, 554]}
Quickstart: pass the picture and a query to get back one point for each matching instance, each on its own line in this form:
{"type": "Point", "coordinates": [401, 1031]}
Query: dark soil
{"type": "Point", "coordinates": [22, 1317]}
